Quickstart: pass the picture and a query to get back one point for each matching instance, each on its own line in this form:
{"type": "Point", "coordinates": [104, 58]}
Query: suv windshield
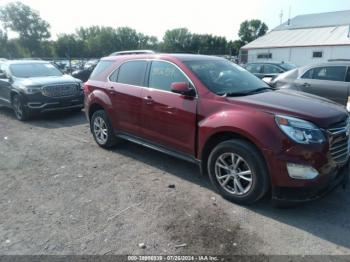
{"type": "Point", "coordinates": [225, 78]}
{"type": "Point", "coordinates": [34, 70]}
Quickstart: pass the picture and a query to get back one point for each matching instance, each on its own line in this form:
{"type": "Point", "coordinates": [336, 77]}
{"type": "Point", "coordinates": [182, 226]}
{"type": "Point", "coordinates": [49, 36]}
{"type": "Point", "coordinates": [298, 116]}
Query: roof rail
{"type": "Point", "coordinates": [132, 52]}
{"type": "Point", "coordinates": [339, 60]}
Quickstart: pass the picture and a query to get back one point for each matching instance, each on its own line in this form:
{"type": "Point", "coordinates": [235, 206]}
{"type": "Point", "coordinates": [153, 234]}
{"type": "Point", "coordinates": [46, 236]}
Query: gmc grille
{"type": "Point", "coordinates": [339, 137]}
{"type": "Point", "coordinates": [60, 90]}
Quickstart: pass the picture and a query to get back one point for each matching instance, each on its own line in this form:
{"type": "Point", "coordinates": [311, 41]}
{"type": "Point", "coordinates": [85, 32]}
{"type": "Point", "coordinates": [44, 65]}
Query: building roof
{"type": "Point", "coordinates": [326, 29]}
{"type": "Point", "coordinates": [317, 20]}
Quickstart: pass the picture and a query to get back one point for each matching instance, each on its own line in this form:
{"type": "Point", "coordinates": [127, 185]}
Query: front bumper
{"type": "Point", "coordinates": [39, 104]}
{"type": "Point", "coordinates": [312, 192]}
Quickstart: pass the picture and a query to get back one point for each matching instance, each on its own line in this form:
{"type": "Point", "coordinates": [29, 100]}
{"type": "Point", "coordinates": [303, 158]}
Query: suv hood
{"type": "Point", "coordinates": [47, 80]}
{"type": "Point", "coordinates": [320, 111]}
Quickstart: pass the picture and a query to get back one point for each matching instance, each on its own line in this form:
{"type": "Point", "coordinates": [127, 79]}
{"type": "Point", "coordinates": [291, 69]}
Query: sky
{"type": "Point", "coordinates": [154, 17]}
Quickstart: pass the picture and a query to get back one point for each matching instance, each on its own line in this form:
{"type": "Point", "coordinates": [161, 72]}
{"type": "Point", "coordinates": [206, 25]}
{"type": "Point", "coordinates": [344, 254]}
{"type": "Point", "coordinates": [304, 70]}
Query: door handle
{"type": "Point", "coordinates": [111, 90]}
{"type": "Point", "coordinates": [148, 99]}
{"type": "Point", "coordinates": [306, 85]}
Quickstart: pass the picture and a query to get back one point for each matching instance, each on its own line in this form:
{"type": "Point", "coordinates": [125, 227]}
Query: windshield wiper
{"type": "Point", "coordinates": [231, 94]}
{"type": "Point", "coordinates": [259, 90]}
{"type": "Point", "coordinates": [245, 93]}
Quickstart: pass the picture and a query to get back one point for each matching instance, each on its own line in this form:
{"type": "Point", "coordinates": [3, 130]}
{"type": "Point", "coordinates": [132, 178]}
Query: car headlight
{"type": "Point", "coordinates": [300, 131]}
{"type": "Point", "coordinates": [31, 89]}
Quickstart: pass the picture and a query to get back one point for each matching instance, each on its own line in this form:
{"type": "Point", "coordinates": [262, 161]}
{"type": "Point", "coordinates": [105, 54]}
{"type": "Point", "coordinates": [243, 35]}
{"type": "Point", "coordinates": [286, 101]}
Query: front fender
{"type": "Point", "coordinates": [257, 127]}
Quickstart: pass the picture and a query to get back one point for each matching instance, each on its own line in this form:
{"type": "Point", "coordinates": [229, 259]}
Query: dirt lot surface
{"type": "Point", "coordinates": [62, 194]}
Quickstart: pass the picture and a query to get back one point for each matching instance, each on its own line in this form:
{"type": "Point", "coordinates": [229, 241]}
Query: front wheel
{"type": "Point", "coordinates": [238, 171]}
{"type": "Point", "coordinates": [20, 110]}
{"type": "Point", "coordinates": [102, 130]}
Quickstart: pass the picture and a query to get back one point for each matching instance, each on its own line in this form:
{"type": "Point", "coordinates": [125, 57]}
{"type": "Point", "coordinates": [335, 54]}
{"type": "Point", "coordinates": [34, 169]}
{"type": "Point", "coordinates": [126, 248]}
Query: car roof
{"type": "Point", "coordinates": [335, 63]}
{"type": "Point", "coordinates": [12, 62]}
{"type": "Point", "coordinates": [181, 57]}
{"type": "Point", "coordinates": [268, 62]}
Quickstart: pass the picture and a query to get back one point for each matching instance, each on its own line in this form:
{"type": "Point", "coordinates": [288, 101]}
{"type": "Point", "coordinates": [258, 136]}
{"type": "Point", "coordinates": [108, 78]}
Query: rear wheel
{"type": "Point", "coordinates": [238, 171]}
{"type": "Point", "coordinates": [102, 129]}
{"type": "Point", "coordinates": [20, 110]}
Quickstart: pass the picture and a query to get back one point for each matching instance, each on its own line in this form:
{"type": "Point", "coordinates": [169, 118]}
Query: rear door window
{"type": "Point", "coordinates": [132, 73]}
{"type": "Point", "coordinates": [330, 73]}
{"type": "Point", "coordinates": [101, 66]}
{"type": "Point", "coordinates": [348, 75]}
{"type": "Point", "coordinates": [271, 69]}
{"type": "Point", "coordinates": [254, 68]}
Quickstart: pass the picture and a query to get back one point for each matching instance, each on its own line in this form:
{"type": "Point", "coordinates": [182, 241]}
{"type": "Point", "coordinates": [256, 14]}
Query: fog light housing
{"type": "Point", "coordinates": [301, 172]}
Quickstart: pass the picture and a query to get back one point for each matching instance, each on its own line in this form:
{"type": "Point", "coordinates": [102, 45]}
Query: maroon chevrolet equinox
{"type": "Point", "coordinates": [248, 137]}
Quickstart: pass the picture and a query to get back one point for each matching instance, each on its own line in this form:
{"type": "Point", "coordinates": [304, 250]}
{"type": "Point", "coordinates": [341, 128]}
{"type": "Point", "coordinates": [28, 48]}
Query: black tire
{"type": "Point", "coordinates": [252, 160]}
{"type": "Point", "coordinates": [21, 112]}
{"type": "Point", "coordinates": [111, 139]}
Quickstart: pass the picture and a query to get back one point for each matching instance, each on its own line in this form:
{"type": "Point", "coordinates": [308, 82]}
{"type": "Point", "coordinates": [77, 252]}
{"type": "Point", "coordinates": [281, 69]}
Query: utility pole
{"type": "Point", "coordinates": [289, 14]}
{"type": "Point", "coordinates": [281, 16]}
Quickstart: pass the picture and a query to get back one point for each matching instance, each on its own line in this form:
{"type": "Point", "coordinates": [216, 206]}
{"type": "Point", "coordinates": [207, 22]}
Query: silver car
{"type": "Point", "coordinates": [330, 80]}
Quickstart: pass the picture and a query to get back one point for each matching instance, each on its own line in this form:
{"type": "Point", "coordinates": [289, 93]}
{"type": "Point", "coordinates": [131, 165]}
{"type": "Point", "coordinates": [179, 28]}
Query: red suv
{"type": "Point", "coordinates": [248, 137]}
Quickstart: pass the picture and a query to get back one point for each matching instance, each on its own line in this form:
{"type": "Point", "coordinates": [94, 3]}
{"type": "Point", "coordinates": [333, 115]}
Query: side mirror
{"type": "Point", "coordinates": [182, 88]}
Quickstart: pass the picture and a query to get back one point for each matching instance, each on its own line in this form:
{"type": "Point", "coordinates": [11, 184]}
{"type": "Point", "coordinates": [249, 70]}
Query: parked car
{"type": "Point", "coordinates": [247, 136]}
{"type": "Point", "coordinates": [31, 87]}
{"type": "Point", "coordinates": [85, 73]}
{"type": "Point", "coordinates": [268, 69]}
{"type": "Point", "coordinates": [330, 80]}
{"type": "Point", "coordinates": [91, 63]}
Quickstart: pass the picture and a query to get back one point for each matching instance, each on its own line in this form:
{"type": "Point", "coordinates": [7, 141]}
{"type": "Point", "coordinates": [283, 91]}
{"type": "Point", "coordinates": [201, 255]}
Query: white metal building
{"type": "Point", "coordinates": [303, 40]}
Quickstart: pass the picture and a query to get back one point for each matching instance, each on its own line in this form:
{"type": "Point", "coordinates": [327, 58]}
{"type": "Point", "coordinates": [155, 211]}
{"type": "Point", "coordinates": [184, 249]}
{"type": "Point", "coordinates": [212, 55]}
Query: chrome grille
{"type": "Point", "coordinates": [339, 137]}
{"type": "Point", "coordinates": [60, 90]}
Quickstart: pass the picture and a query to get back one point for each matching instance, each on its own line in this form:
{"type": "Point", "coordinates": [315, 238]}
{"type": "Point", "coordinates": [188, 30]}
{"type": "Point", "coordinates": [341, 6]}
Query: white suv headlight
{"type": "Point", "coordinates": [300, 131]}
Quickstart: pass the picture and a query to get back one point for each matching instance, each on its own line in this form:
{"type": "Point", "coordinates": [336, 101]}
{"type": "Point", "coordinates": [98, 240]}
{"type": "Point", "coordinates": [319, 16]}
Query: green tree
{"type": "Point", "coordinates": [127, 39]}
{"type": "Point", "coordinates": [99, 41]}
{"type": "Point", "coordinates": [235, 46]}
{"type": "Point", "coordinates": [251, 30]}
{"type": "Point", "coordinates": [68, 45]}
{"type": "Point", "coordinates": [148, 42]}
{"type": "Point", "coordinates": [209, 44]}
{"type": "Point", "coordinates": [177, 40]}
{"type": "Point", "coordinates": [3, 44]}
{"type": "Point", "coordinates": [32, 30]}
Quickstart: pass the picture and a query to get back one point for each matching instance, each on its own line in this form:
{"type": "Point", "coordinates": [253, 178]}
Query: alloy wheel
{"type": "Point", "coordinates": [17, 107]}
{"type": "Point", "coordinates": [233, 174]}
{"type": "Point", "coordinates": [100, 130]}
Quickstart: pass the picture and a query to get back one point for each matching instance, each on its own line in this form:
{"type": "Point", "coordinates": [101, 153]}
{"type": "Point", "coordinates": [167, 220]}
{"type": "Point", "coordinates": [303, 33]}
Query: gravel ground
{"type": "Point", "coordinates": [62, 194]}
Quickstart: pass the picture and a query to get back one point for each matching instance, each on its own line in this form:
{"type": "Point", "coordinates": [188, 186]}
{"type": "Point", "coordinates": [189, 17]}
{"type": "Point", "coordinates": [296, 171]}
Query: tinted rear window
{"type": "Point", "coordinates": [254, 68]}
{"type": "Point", "coordinates": [101, 66]}
{"type": "Point", "coordinates": [288, 67]}
{"type": "Point", "coordinates": [132, 73]}
{"type": "Point", "coordinates": [271, 69]}
{"type": "Point", "coordinates": [331, 73]}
